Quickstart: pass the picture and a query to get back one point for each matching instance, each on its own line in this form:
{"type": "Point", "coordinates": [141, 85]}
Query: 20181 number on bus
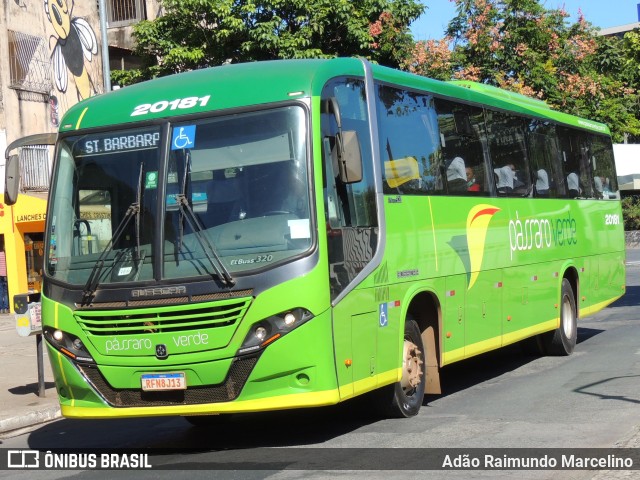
{"type": "Point", "coordinates": [296, 233]}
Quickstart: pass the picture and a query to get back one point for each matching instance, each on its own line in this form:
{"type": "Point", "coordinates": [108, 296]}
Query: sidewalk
{"type": "Point", "coordinates": [20, 405]}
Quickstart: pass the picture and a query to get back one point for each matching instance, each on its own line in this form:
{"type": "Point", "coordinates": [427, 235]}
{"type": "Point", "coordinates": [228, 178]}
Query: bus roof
{"type": "Point", "coordinates": [256, 83]}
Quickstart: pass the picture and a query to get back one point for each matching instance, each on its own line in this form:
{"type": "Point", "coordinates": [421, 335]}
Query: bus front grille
{"type": "Point", "coordinates": [134, 397]}
{"type": "Point", "coordinates": [175, 319]}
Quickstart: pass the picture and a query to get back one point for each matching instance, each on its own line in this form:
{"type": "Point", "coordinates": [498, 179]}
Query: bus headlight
{"type": "Point", "coordinates": [67, 344]}
{"type": "Point", "coordinates": [289, 319]}
{"type": "Point", "coordinates": [270, 329]}
{"type": "Point", "coordinates": [261, 333]}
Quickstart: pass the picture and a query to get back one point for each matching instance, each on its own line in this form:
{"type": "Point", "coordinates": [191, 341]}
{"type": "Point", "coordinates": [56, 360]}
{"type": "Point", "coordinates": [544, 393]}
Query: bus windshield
{"type": "Point", "coordinates": [235, 197]}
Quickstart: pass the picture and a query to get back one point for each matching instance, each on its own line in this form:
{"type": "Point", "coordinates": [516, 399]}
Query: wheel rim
{"type": "Point", "coordinates": [567, 316]}
{"type": "Point", "coordinates": [411, 367]}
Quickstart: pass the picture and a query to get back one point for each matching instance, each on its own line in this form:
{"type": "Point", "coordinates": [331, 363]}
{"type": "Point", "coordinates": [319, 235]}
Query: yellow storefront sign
{"type": "Point", "coordinates": [27, 216]}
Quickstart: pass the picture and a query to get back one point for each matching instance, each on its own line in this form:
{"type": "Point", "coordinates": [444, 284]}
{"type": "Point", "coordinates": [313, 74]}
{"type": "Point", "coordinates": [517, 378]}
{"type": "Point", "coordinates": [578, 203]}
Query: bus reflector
{"type": "Point", "coordinates": [270, 339]}
{"type": "Point", "coordinates": [534, 278]}
{"type": "Point", "coordinates": [451, 293]}
{"type": "Point", "coordinates": [348, 362]}
{"type": "Point", "coordinates": [67, 353]}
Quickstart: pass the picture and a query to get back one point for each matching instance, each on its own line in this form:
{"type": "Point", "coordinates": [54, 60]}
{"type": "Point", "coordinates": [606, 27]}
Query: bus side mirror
{"type": "Point", "coordinates": [12, 165]}
{"type": "Point", "coordinates": [348, 156]}
{"type": "Point", "coordinates": [12, 180]}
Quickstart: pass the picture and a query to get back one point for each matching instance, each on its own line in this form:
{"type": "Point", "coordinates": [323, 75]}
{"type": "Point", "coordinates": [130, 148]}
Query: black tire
{"type": "Point", "coordinates": [405, 401]}
{"type": "Point", "coordinates": [562, 340]}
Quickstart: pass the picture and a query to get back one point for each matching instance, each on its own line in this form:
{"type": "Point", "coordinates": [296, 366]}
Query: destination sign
{"type": "Point", "coordinates": [93, 145]}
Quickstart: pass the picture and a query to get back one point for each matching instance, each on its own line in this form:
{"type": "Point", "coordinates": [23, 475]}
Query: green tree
{"type": "Point", "coordinates": [201, 33]}
{"type": "Point", "coordinates": [521, 46]}
{"type": "Point", "coordinates": [631, 213]}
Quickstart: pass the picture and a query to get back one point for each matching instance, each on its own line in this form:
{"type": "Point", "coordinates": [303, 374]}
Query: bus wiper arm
{"type": "Point", "coordinates": [209, 250]}
{"type": "Point", "coordinates": [93, 280]}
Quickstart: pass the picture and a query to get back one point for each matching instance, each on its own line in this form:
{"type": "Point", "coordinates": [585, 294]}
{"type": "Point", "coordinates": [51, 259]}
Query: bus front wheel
{"type": "Point", "coordinates": [408, 393]}
{"type": "Point", "coordinates": [562, 340]}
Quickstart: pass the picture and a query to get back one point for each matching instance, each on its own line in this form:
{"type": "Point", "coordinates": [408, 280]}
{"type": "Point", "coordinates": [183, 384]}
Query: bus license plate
{"type": "Point", "coordinates": [163, 381]}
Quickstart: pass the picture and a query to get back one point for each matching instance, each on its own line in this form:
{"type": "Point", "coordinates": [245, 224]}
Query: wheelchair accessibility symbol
{"type": "Point", "coordinates": [183, 137]}
{"type": "Point", "coordinates": [383, 315]}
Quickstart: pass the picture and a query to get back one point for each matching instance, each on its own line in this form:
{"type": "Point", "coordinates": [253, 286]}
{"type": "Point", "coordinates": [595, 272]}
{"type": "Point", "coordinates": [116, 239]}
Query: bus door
{"type": "Point", "coordinates": [352, 236]}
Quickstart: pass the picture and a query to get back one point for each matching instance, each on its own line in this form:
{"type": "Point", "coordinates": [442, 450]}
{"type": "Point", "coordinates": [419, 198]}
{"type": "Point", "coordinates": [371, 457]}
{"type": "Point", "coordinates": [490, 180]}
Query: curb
{"type": "Point", "coordinates": [30, 419]}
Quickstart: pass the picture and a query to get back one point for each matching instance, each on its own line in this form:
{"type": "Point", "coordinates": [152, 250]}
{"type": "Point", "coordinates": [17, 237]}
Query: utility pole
{"type": "Point", "coordinates": [106, 71]}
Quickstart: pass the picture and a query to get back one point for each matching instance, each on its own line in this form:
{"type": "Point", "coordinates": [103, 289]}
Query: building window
{"type": "Point", "coordinates": [29, 63]}
{"type": "Point", "coordinates": [124, 12]}
{"type": "Point", "coordinates": [34, 168]}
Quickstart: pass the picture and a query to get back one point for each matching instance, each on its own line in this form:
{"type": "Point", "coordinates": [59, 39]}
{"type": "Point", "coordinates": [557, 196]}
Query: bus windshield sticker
{"type": "Point", "coordinates": [151, 180]}
{"type": "Point", "coordinates": [299, 228]}
{"type": "Point", "coordinates": [183, 137]}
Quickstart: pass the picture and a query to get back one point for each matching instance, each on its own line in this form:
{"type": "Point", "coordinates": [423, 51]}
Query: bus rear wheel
{"type": "Point", "coordinates": [407, 394]}
{"type": "Point", "coordinates": [563, 340]}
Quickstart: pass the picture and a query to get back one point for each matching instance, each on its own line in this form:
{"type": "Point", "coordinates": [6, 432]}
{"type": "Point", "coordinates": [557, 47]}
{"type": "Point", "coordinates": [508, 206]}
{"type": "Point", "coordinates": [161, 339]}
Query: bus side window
{"type": "Point", "coordinates": [508, 151]}
{"type": "Point", "coordinates": [603, 166]}
{"type": "Point", "coordinates": [463, 139]}
{"type": "Point", "coordinates": [545, 157]}
{"type": "Point", "coordinates": [575, 163]}
{"type": "Point", "coordinates": [409, 142]}
{"type": "Point", "coordinates": [356, 201]}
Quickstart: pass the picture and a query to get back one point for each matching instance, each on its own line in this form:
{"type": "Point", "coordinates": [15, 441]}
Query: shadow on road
{"type": "Point", "coordinates": [585, 334]}
{"type": "Point", "coordinates": [630, 298]}
{"type": "Point", "coordinates": [482, 368]}
{"type": "Point", "coordinates": [271, 429]}
{"type": "Point", "coordinates": [30, 388]}
{"type": "Point", "coordinates": [610, 394]}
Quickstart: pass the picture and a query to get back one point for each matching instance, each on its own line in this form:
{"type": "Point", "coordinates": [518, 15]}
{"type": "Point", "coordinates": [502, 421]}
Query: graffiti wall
{"type": "Point", "coordinates": [53, 60]}
{"type": "Point", "coordinates": [74, 47]}
{"type": "Point", "coordinates": [50, 59]}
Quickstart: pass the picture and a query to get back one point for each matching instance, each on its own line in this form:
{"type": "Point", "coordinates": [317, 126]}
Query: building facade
{"type": "Point", "coordinates": [50, 59]}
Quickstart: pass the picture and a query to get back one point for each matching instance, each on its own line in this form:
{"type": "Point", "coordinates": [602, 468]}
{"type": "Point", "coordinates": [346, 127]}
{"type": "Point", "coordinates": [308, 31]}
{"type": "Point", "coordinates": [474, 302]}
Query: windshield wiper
{"type": "Point", "coordinates": [187, 213]}
{"type": "Point", "coordinates": [209, 250]}
{"type": "Point", "coordinates": [93, 280]}
{"type": "Point", "coordinates": [134, 210]}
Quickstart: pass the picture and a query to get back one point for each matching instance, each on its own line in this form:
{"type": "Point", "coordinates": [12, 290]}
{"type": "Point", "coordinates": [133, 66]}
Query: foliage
{"type": "Point", "coordinates": [194, 34]}
{"type": "Point", "coordinates": [523, 47]}
{"type": "Point", "coordinates": [631, 213]}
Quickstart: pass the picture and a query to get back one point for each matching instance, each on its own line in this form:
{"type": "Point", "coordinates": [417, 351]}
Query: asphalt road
{"type": "Point", "coordinates": [503, 399]}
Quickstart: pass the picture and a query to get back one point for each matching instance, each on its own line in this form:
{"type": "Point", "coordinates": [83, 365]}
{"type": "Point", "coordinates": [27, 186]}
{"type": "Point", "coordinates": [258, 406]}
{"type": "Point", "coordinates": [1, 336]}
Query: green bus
{"type": "Point", "coordinates": [291, 234]}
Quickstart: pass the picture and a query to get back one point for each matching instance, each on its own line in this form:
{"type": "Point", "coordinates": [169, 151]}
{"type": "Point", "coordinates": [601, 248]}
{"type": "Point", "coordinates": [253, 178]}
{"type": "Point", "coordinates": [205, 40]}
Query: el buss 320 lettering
{"type": "Point", "coordinates": [177, 104]}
